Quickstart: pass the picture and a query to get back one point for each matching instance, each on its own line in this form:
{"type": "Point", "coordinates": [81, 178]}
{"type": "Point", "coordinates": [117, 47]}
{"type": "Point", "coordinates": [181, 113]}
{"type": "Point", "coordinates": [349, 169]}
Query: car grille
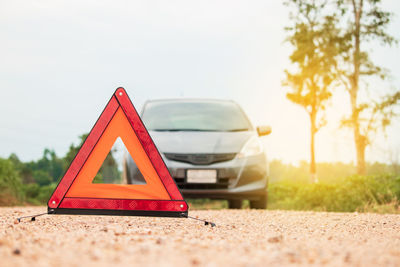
{"type": "Point", "coordinates": [200, 159]}
{"type": "Point", "coordinates": [222, 183]}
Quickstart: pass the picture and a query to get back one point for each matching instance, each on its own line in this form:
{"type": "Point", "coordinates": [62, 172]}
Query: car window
{"type": "Point", "coordinates": [195, 116]}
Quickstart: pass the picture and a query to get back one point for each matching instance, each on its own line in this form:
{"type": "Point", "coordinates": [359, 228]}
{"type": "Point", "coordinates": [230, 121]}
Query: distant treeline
{"type": "Point", "coordinates": [33, 182]}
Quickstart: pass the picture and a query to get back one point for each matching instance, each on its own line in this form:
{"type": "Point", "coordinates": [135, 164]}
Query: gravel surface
{"type": "Point", "coordinates": [241, 238]}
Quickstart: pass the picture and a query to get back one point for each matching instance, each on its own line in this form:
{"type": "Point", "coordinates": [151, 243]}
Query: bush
{"type": "Point", "coordinates": [354, 193]}
{"type": "Point", "coordinates": [42, 177]}
{"type": "Point", "coordinates": [38, 195]}
{"type": "Point", "coordinates": [10, 184]}
{"type": "Point", "coordinates": [45, 193]}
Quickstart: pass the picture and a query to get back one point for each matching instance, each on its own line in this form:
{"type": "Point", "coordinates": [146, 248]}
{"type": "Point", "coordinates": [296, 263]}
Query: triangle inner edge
{"type": "Point", "coordinates": [117, 167]}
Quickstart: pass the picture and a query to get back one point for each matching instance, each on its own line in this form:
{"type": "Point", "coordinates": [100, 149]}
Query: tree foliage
{"type": "Point", "coordinates": [336, 33]}
{"type": "Point", "coordinates": [315, 50]}
{"type": "Point", "coordinates": [365, 22]}
{"type": "Point", "coordinates": [10, 184]}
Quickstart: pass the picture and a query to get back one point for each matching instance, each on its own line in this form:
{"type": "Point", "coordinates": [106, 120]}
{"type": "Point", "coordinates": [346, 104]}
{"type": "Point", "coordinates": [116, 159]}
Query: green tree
{"type": "Point", "coordinates": [363, 21]}
{"type": "Point", "coordinates": [42, 177]}
{"type": "Point", "coordinates": [53, 164]}
{"type": "Point", "coordinates": [10, 183]}
{"type": "Point", "coordinates": [25, 171]}
{"type": "Point", "coordinates": [313, 37]}
{"type": "Point", "coordinates": [49, 167]}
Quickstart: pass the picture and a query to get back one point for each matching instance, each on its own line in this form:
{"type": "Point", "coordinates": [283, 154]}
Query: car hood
{"type": "Point", "coordinates": [200, 142]}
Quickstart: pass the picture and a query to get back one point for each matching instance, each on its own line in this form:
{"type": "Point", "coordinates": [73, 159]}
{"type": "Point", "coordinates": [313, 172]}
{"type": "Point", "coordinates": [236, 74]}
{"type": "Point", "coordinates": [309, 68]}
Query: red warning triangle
{"type": "Point", "coordinates": [76, 194]}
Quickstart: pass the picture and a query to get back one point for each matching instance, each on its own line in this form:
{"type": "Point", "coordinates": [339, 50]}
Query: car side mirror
{"type": "Point", "coordinates": [264, 130]}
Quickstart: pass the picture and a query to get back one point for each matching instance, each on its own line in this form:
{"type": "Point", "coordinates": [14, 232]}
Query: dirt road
{"type": "Point", "coordinates": [241, 238]}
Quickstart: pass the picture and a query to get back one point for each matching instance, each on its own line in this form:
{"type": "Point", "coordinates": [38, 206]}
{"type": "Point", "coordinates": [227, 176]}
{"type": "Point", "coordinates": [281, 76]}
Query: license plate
{"type": "Point", "coordinates": [201, 176]}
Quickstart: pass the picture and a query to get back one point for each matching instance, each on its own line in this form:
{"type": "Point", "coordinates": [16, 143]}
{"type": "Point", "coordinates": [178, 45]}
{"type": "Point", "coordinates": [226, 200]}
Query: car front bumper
{"type": "Point", "coordinates": [240, 178]}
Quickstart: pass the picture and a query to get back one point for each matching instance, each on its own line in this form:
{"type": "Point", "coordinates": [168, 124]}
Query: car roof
{"type": "Point", "coordinates": [190, 100]}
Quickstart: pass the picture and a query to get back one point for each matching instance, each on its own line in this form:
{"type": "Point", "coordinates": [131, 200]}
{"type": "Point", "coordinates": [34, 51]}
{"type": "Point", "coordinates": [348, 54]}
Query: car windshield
{"type": "Point", "coordinates": [195, 116]}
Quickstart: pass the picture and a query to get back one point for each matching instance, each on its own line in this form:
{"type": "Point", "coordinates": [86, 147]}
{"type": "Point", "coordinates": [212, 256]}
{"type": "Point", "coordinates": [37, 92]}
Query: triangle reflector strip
{"type": "Point", "coordinates": [77, 194]}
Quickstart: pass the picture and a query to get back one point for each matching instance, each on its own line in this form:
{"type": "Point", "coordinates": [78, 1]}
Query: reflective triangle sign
{"type": "Point", "coordinates": [77, 194]}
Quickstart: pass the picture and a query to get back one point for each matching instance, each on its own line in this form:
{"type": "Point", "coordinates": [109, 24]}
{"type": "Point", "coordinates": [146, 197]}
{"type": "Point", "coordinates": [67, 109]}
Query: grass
{"type": "Point", "coordinates": [354, 193]}
{"type": "Point", "coordinates": [378, 194]}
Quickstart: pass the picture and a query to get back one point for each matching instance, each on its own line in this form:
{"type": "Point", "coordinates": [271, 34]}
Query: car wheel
{"type": "Point", "coordinates": [235, 203]}
{"type": "Point", "coordinates": [259, 204]}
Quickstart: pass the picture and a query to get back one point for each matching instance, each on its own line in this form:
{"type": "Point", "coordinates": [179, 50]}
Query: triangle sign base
{"type": "Point", "coordinates": [77, 194]}
{"type": "Point", "coordinates": [100, 212]}
{"type": "Point", "coordinates": [122, 207]}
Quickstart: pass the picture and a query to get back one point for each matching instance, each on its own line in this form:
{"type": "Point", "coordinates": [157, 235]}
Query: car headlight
{"type": "Point", "coordinates": [251, 148]}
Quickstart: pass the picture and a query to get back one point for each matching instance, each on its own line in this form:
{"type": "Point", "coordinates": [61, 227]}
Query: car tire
{"type": "Point", "coordinates": [235, 203]}
{"type": "Point", "coordinates": [259, 204]}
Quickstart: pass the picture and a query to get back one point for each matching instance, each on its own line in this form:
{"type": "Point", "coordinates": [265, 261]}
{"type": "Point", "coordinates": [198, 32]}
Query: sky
{"type": "Point", "coordinates": [62, 60]}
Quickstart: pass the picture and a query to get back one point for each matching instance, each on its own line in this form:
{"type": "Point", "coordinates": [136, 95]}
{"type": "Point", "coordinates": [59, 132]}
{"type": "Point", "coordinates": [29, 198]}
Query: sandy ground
{"type": "Point", "coordinates": [241, 238]}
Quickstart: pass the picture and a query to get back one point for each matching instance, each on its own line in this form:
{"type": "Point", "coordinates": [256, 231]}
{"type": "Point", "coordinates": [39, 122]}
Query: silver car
{"type": "Point", "coordinates": [210, 148]}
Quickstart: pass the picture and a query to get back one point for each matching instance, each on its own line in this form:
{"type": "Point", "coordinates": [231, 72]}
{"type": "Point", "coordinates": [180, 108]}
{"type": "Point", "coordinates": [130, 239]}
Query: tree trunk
{"type": "Point", "coordinates": [360, 141]}
{"type": "Point", "coordinates": [313, 168]}
{"type": "Point", "coordinates": [360, 147]}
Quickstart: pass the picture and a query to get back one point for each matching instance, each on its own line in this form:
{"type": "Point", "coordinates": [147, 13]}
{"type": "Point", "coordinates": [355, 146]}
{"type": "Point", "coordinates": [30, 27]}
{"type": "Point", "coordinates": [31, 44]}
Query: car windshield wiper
{"type": "Point", "coordinates": [182, 130]}
{"type": "Point", "coordinates": [199, 130]}
{"type": "Point", "coordinates": [238, 130]}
